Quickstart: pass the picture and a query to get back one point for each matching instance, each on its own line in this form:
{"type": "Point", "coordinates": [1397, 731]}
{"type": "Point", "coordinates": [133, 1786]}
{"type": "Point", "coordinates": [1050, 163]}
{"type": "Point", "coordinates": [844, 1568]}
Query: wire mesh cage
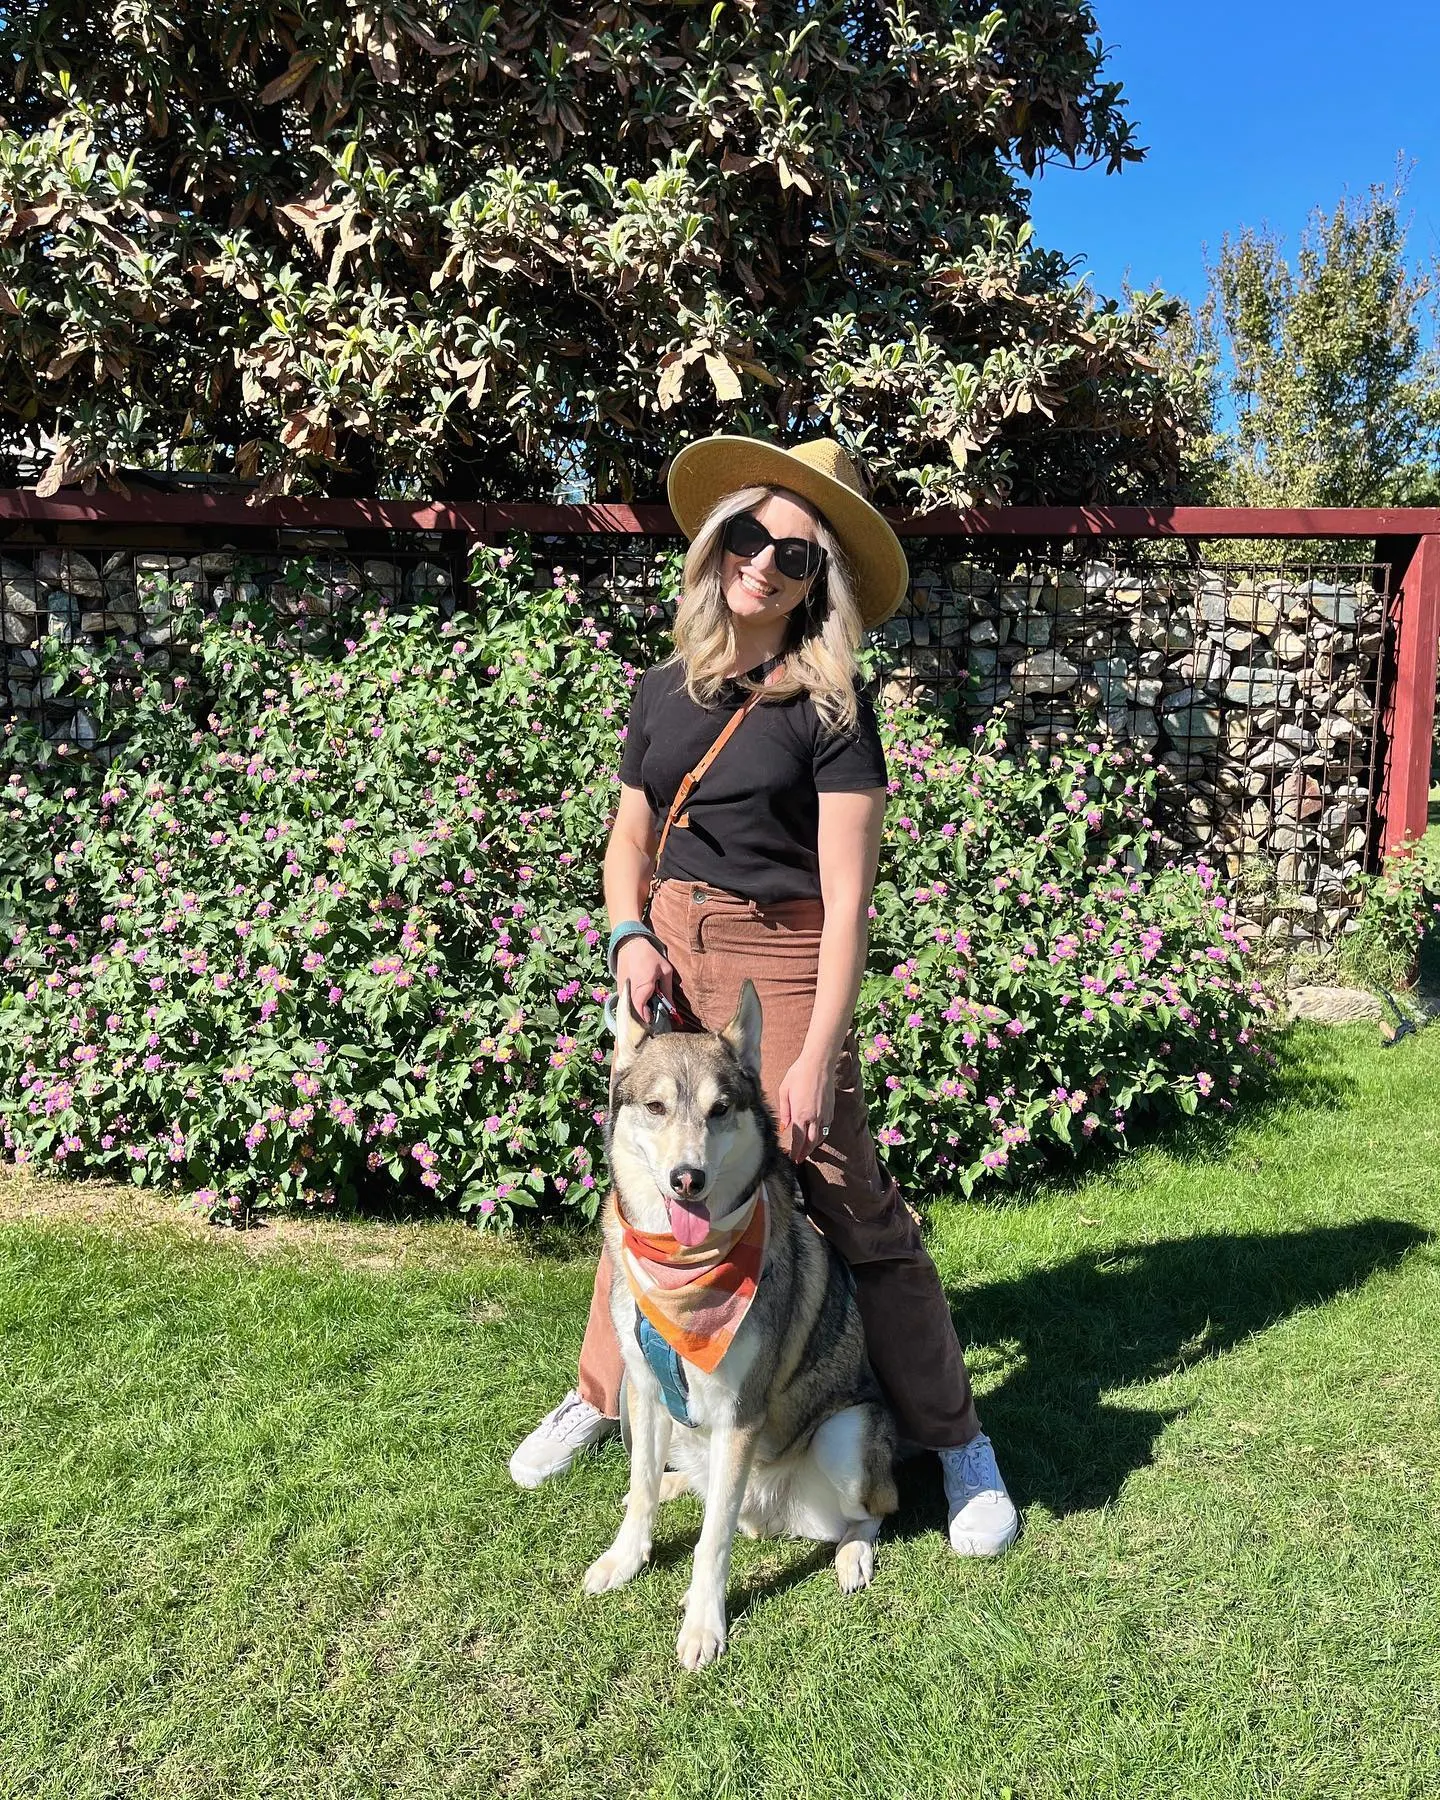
{"type": "Point", "coordinates": [98, 590]}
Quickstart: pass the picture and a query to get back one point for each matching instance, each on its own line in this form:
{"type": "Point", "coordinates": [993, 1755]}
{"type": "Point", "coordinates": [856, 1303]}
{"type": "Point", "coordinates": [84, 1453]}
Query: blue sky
{"type": "Point", "coordinates": [1253, 114]}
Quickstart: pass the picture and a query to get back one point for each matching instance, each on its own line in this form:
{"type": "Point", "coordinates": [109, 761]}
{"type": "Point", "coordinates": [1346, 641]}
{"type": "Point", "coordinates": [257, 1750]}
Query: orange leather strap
{"type": "Point", "coordinates": [677, 815]}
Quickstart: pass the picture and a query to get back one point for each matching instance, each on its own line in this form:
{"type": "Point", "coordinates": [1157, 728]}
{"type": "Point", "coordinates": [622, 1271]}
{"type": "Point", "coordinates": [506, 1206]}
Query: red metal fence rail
{"type": "Point", "coordinates": [1407, 540]}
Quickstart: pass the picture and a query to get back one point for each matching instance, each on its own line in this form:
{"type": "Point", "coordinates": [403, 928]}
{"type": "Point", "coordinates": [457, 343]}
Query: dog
{"type": "Point", "coordinates": [744, 1355]}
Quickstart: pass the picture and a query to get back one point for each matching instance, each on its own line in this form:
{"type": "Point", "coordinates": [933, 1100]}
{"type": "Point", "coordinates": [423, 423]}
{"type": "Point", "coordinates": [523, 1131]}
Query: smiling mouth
{"type": "Point", "coordinates": [758, 589]}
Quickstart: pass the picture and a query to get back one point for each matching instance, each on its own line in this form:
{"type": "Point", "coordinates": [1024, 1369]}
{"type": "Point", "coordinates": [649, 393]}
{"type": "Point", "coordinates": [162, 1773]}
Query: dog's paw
{"type": "Point", "coordinates": [701, 1640]}
{"type": "Point", "coordinates": [673, 1485]}
{"type": "Point", "coordinates": [612, 1570]}
{"type": "Point", "coordinates": [854, 1565]}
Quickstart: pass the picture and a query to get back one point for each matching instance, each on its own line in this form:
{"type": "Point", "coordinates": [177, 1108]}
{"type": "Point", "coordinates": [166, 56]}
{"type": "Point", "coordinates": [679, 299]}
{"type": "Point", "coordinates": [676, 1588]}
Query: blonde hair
{"type": "Point", "coordinates": [825, 630]}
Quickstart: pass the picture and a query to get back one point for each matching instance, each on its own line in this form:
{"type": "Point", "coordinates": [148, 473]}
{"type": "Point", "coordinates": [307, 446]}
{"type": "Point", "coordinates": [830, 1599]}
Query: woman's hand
{"type": "Point", "coordinates": [642, 965]}
{"type": "Point", "coordinates": [805, 1106]}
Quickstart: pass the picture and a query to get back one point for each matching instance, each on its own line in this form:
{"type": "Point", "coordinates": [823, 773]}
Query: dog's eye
{"type": "Point", "coordinates": [655, 1108]}
{"type": "Point", "coordinates": [719, 1109]}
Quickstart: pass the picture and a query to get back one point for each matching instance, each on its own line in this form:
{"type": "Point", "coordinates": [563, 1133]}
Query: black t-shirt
{"type": "Point", "coordinates": [754, 817]}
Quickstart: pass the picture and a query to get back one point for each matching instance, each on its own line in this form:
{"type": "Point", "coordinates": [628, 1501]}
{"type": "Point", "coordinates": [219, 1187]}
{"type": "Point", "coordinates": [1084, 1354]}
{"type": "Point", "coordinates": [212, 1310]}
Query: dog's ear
{"type": "Point", "coordinates": [742, 1034]}
{"type": "Point", "coordinates": [630, 1032]}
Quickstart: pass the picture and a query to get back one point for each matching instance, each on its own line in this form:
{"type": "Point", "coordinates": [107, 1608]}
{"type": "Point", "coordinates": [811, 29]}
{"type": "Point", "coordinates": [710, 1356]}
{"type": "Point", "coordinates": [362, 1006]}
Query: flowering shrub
{"type": "Point", "coordinates": [322, 919]}
{"type": "Point", "coordinates": [331, 917]}
{"type": "Point", "coordinates": [1032, 982]}
{"type": "Point", "coordinates": [1397, 907]}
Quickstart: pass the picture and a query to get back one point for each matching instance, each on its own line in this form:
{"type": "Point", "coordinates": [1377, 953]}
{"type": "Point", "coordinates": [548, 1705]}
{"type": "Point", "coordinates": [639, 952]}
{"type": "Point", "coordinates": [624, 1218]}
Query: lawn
{"type": "Point", "coordinates": [257, 1536]}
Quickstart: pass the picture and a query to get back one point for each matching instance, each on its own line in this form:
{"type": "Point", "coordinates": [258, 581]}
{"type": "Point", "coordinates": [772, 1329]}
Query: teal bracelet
{"type": "Point", "coordinates": [626, 929]}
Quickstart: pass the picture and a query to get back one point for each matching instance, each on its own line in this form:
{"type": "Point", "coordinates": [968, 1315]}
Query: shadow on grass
{"type": "Point", "coordinates": [1128, 1315]}
{"type": "Point", "coordinates": [1103, 1322]}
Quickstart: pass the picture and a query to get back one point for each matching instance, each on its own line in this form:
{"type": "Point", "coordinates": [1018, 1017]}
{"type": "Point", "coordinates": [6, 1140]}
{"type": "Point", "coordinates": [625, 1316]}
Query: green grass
{"type": "Point", "coordinates": [256, 1536]}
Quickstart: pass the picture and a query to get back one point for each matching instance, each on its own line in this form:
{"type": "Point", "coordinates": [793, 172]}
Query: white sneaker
{"type": "Point", "coordinates": [558, 1439]}
{"type": "Point", "coordinates": [983, 1520]}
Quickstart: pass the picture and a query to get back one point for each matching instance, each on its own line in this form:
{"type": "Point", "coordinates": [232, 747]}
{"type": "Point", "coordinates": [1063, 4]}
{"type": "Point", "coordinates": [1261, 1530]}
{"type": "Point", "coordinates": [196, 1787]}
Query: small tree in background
{"type": "Point", "coordinates": [510, 250]}
{"type": "Point", "coordinates": [1328, 369]}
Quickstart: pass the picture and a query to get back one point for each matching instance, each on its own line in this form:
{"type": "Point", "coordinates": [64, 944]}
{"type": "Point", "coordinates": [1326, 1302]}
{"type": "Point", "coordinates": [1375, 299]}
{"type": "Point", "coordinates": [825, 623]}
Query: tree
{"type": "Point", "coordinates": [1328, 369]}
{"type": "Point", "coordinates": [446, 247]}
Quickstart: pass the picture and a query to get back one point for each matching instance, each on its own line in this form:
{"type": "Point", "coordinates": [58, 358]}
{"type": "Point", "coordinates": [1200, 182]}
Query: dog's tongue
{"type": "Point", "coordinates": [689, 1223]}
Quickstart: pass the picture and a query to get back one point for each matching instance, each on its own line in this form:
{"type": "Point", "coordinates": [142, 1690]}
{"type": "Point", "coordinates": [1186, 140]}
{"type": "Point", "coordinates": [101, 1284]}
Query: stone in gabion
{"type": "Point", "coordinates": [1112, 682]}
{"type": "Point", "coordinates": [427, 580]}
{"type": "Point", "coordinates": [1167, 632]}
{"type": "Point", "coordinates": [1047, 672]}
{"type": "Point", "coordinates": [1353, 705]}
{"type": "Point", "coordinates": [1246, 607]}
{"type": "Point", "coordinates": [1299, 796]}
{"type": "Point", "coordinates": [970, 578]}
{"type": "Point", "coordinates": [898, 631]}
{"type": "Point", "coordinates": [1296, 736]}
{"type": "Point", "coordinates": [70, 570]}
{"type": "Point", "coordinates": [80, 729]}
{"type": "Point", "coordinates": [985, 633]}
{"type": "Point", "coordinates": [1335, 732]}
{"type": "Point", "coordinates": [386, 575]}
{"type": "Point", "coordinates": [1271, 758]}
{"type": "Point", "coordinates": [1294, 871]}
{"type": "Point", "coordinates": [1334, 601]}
{"type": "Point", "coordinates": [65, 613]}
{"type": "Point", "coordinates": [19, 590]}
{"type": "Point", "coordinates": [1032, 630]}
{"type": "Point", "coordinates": [1290, 648]}
{"type": "Point", "coordinates": [1260, 687]}
{"type": "Point", "coordinates": [1287, 835]}
{"type": "Point", "coordinates": [1206, 666]}
{"type": "Point", "coordinates": [1194, 725]}
{"type": "Point", "coordinates": [191, 584]}
{"type": "Point", "coordinates": [950, 626]}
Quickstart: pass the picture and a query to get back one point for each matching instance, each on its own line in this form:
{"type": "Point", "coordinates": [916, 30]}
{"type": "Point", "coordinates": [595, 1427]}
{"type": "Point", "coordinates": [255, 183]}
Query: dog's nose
{"type": "Point", "coordinates": [686, 1179]}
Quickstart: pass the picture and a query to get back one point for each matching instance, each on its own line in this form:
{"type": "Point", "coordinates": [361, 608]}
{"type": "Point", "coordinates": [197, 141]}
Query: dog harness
{"type": "Point", "coordinates": [691, 1299]}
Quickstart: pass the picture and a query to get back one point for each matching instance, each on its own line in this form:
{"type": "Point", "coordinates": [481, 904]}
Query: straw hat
{"type": "Point", "coordinates": [821, 473]}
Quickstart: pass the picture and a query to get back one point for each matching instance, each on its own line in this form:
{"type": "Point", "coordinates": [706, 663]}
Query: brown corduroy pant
{"type": "Point", "coordinates": [714, 940]}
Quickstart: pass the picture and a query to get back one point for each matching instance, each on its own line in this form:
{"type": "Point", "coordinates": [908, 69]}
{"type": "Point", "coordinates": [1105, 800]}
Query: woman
{"type": "Point", "coordinates": [769, 874]}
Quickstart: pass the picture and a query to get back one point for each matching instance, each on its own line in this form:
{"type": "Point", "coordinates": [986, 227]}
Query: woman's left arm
{"type": "Point", "coordinates": [849, 847]}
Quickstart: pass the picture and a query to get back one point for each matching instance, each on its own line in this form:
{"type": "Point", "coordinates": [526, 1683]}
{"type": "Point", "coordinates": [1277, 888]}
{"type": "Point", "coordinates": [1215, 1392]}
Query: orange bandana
{"type": "Point", "coordinates": [696, 1297]}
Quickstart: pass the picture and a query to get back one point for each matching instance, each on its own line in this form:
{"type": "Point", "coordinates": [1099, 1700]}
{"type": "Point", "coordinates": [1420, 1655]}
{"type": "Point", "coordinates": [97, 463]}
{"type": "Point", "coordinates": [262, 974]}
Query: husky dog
{"type": "Point", "coordinates": [744, 1356]}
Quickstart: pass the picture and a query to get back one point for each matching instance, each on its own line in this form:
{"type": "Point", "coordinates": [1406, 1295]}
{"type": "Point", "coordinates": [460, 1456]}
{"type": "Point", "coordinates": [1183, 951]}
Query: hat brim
{"type": "Point", "coordinates": [705, 471]}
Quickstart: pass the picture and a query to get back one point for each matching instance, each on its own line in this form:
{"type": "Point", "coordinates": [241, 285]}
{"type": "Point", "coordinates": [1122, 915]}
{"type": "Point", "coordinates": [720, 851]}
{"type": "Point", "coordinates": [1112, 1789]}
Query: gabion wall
{"type": "Point", "coordinates": [1255, 688]}
{"type": "Point", "coordinates": [133, 595]}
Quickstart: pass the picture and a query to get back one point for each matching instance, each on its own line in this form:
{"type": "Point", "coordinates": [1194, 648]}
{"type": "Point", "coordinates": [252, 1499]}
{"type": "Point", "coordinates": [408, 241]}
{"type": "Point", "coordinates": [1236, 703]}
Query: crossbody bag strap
{"type": "Point", "coordinates": [677, 814]}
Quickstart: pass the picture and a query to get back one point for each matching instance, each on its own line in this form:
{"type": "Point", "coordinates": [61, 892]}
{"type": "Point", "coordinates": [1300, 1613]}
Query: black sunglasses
{"type": "Point", "coordinates": [799, 558]}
